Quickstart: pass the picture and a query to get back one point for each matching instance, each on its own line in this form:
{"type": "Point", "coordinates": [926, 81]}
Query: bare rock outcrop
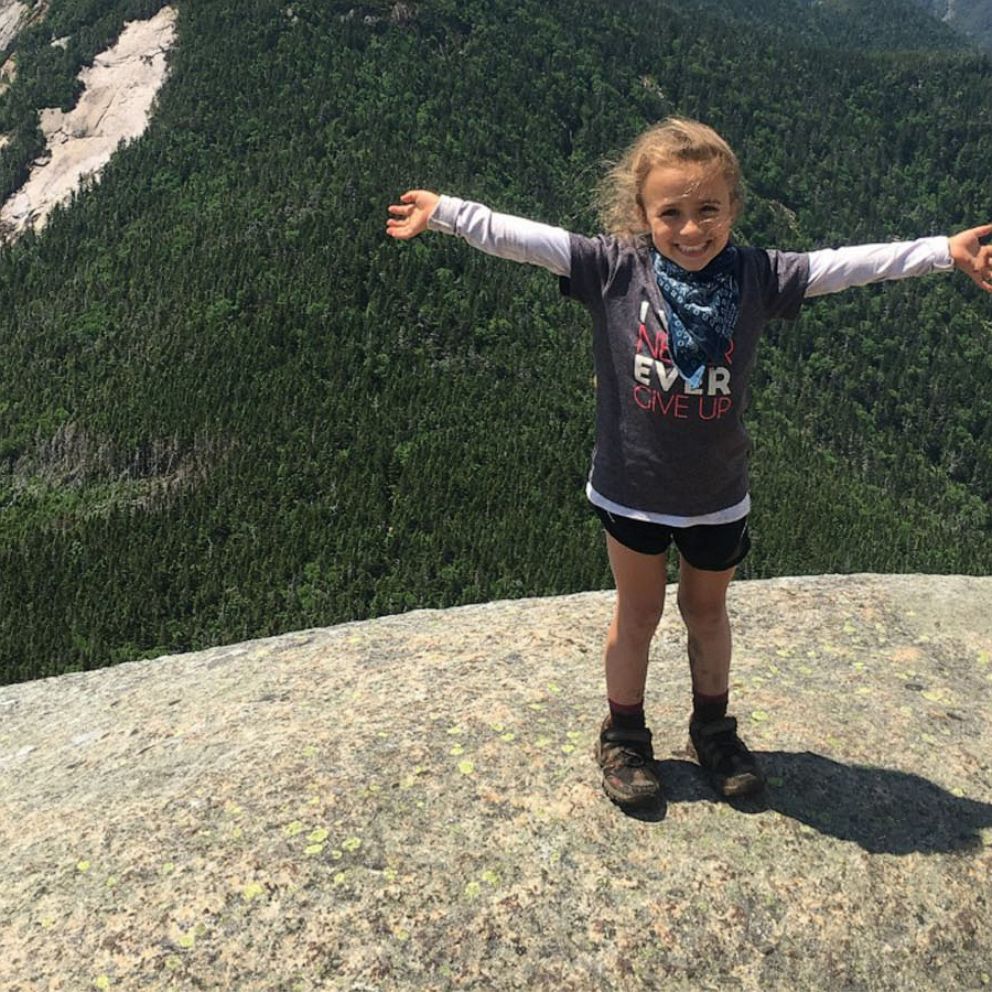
{"type": "Point", "coordinates": [120, 88]}
{"type": "Point", "coordinates": [14, 16]}
{"type": "Point", "coordinates": [412, 803]}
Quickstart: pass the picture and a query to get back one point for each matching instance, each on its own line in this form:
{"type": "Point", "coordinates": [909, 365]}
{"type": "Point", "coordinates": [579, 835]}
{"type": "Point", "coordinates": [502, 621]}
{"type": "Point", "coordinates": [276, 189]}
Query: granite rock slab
{"type": "Point", "coordinates": [412, 803]}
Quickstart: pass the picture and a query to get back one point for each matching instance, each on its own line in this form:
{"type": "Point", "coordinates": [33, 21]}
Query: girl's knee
{"type": "Point", "coordinates": [639, 619]}
{"type": "Point", "coordinates": [703, 614]}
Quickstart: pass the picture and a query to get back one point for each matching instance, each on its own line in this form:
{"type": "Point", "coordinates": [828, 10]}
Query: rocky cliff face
{"type": "Point", "coordinates": [118, 92]}
{"type": "Point", "coordinates": [412, 803]}
{"type": "Point", "coordinates": [14, 16]}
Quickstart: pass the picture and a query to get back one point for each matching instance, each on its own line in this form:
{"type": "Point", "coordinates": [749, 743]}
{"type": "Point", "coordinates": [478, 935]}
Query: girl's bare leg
{"type": "Point", "coordinates": [640, 582]}
{"type": "Point", "coordinates": [703, 605]}
{"type": "Point", "coordinates": [702, 599]}
{"type": "Point", "coordinates": [624, 752]}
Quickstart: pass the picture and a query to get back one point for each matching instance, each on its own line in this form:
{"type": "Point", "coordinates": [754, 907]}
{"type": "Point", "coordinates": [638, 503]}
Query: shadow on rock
{"type": "Point", "coordinates": [882, 810]}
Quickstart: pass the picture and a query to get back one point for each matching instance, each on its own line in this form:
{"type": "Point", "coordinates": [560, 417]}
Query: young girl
{"type": "Point", "coordinates": [676, 310]}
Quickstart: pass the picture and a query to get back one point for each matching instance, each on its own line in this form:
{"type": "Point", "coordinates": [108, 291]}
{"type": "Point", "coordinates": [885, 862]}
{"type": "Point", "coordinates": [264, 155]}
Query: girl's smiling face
{"type": "Point", "coordinates": [689, 210]}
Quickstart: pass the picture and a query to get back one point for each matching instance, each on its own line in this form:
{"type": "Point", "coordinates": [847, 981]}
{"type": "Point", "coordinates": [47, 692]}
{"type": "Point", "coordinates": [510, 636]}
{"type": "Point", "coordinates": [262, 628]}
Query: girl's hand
{"type": "Point", "coordinates": [972, 257]}
{"type": "Point", "coordinates": [411, 214]}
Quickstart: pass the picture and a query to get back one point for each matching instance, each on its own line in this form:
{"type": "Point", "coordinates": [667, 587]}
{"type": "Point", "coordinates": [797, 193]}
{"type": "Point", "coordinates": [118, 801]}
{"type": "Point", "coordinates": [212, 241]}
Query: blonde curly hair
{"type": "Point", "coordinates": [675, 141]}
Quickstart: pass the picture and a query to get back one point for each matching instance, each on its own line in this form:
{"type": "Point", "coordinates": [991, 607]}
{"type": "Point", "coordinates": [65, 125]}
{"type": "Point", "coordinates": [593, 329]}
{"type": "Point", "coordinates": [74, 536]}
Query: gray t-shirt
{"type": "Point", "coordinates": [661, 446]}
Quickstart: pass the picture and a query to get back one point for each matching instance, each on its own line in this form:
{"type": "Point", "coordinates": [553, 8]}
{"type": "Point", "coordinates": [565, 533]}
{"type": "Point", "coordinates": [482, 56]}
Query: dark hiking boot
{"type": "Point", "coordinates": [627, 760]}
{"type": "Point", "coordinates": [732, 768]}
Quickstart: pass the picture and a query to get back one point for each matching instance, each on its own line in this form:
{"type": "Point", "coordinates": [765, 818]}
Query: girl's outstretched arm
{"type": "Point", "coordinates": [503, 235]}
{"type": "Point", "coordinates": [972, 257]}
{"type": "Point", "coordinates": [834, 269]}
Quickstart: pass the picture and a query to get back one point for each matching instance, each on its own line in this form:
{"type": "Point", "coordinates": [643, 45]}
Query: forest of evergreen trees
{"type": "Point", "coordinates": [230, 406]}
{"type": "Point", "coordinates": [970, 18]}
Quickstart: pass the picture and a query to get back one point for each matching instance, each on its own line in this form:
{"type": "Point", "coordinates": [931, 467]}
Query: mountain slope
{"type": "Point", "coordinates": [230, 406]}
{"type": "Point", "coordinates": [852, 25]}
{"type": "Point", "coordinates": [972, 18]}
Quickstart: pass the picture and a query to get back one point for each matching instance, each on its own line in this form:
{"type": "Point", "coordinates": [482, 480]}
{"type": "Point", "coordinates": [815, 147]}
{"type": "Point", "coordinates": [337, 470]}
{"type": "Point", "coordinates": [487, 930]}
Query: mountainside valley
{"type": "Point", "coordinates": [231, 407]}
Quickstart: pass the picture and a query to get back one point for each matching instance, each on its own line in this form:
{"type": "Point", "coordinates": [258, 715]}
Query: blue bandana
{"type": "Point", "coordinates": [703, 311]}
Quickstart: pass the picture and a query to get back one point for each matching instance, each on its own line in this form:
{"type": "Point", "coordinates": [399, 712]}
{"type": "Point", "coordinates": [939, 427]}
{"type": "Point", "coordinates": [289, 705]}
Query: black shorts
{"type": "Point", "coordinates": [709, 547]}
